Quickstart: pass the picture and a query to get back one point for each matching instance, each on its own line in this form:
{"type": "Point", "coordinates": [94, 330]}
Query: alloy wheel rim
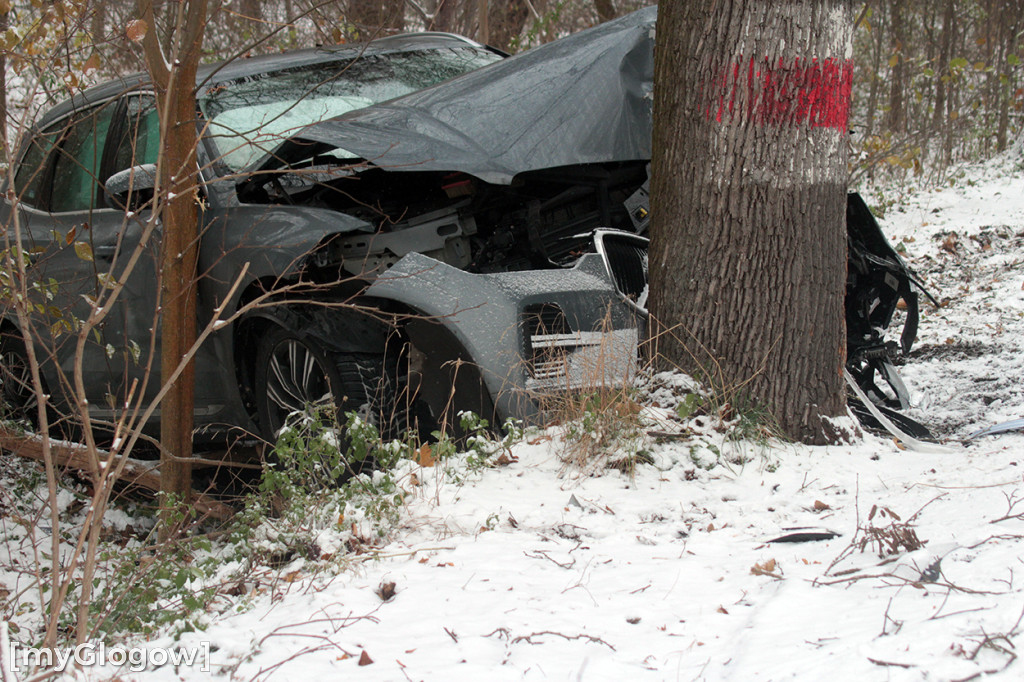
{"type": "Point", "coordinates": [296, 379]}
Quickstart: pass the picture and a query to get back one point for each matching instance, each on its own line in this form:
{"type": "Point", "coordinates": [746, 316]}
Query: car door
{"type": "Point", "coordinates": [134, 334]}
{"type": "Point", "coordinates": [87, 246]}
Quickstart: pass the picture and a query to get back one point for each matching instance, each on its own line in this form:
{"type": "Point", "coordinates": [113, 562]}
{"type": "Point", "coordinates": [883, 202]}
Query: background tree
{"type": "Point", "coordinates": [936, 84]}
{"type": "Point", "coordinates": [748, 247]}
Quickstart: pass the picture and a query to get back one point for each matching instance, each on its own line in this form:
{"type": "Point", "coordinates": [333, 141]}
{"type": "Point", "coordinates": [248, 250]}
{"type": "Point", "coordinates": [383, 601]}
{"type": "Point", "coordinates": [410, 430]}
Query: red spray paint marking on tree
{"type": "Point", "coordinates": [813, 93]}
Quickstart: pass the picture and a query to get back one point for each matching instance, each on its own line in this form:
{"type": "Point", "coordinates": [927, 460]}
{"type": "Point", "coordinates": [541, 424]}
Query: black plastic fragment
{"type": "Point", "coordinates": [807, 535]}
{"type": "Point", "coordinates": [902, 421]}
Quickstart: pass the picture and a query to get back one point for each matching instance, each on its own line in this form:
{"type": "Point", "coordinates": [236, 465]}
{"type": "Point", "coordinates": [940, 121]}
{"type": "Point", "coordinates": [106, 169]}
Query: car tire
{"type": "Point", "coordinates": [294, 372]}
{"type": "Point", "coordinates": [17, 398]}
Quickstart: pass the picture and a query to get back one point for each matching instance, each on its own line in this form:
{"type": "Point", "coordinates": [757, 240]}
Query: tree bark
{"type": "Point", "coordinates": [876, 72]}
{"type": "Point", "coordinates": [443, 17]}
{"type": "Point", "coordinates": [483, 33]}
{"type": "Point", "coordinates": [173, 69]}
{"type": "Point", "coordinates": [748, 237]}
{"type": "Point", "coordinates": [896, 85]}
{"type": "Point", "coordinates": [507, 18]}
{"type": "Point", "coordinates": [605, 10]}
{"type": "Point", "coordinates": [942, 68]}
{"type": "Point", "coordinates": [371, 16]}
{"type": "Point", "coordinates": [1011, 13]}
{"type": "Point", "coordinates": [5, 155]}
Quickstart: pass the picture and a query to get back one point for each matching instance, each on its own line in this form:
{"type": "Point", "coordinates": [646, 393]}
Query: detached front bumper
{"type": "Point", "coordinates": [527, 334]}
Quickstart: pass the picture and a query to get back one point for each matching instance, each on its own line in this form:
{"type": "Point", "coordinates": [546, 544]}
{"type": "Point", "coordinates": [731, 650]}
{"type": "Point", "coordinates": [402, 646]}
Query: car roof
{"type": "Point", "coordinates": [223, 71]}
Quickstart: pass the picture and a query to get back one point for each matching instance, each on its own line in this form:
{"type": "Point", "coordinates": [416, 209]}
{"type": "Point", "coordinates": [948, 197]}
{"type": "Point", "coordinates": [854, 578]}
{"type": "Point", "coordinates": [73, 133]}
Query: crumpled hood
{"type": "Point", "coordinates": [583, 99]}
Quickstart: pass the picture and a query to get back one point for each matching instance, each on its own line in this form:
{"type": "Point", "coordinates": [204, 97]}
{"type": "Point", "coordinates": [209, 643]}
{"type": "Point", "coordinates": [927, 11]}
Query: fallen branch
{"type": "Point", "coordinates": [135, 472]}
{"type": "Point", "coordinates": [1015, 508]}
{"type": "Point", "coordinates": [892, 664]}
{"type": "Point", "coordinates": [528, 638]}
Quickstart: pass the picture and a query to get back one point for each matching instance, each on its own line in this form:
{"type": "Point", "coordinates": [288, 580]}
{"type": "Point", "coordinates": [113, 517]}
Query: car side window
{"type": "Point", "coordinates": [139, 141]}
{"type": "Point", "coordinates": [28, 180]}
{"type": "Point", "coordinates": [77, 163]}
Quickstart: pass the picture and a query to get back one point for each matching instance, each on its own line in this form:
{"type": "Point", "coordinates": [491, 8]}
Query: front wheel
{"type": "Point", "coordinates": [294, 373]}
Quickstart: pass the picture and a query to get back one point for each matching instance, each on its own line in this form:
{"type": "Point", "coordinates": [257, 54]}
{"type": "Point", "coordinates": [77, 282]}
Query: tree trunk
{"type": "Point", "coordinates": [605, 10]}
{"type": "Point", "coordinates": [173, 69]}
{"type": "Point", "coordinates": [5, 155]}
{"type": "Point", "coordinates": [942, 68]}
{"type": "Point", "coordinates": [1011, 21]}
{"type": "Point", "coordinates": [371, 16]}
{"type": "Point", "coordinates": [748, 239]}
{"type": "Point", "coordinates": [507, 18]}
{"type": "Point", "coordinates": [483, 32]}
{"type": "Point", "coordinates": [444, 16]}
{"type": "Point", "coordinates": [896, 86]}
{"type": "Point", "coordinates": [876, 72]}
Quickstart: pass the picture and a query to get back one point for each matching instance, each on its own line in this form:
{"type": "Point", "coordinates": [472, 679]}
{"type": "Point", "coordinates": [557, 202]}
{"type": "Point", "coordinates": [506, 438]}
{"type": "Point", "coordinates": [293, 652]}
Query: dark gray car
{"type": "Point", "coordinates": [405, 294]}
{"type": "Point", "coordinates": [474, 244]}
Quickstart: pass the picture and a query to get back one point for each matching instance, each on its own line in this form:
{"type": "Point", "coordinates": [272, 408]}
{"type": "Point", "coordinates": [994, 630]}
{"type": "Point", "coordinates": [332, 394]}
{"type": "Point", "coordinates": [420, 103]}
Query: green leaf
{"type": "Point", "coordinates": [688, 405]}
{"type": "Point", "coordinates": [958, 63]}
{"type": "Point", "coordinates": [1012, 59]}
{"type": "Point", "coordinates": [84, 251]}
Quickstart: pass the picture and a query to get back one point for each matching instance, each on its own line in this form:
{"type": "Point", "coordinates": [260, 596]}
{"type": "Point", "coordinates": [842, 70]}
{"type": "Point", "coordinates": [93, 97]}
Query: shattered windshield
{"type": "Point", "coordinates": [249, 117]}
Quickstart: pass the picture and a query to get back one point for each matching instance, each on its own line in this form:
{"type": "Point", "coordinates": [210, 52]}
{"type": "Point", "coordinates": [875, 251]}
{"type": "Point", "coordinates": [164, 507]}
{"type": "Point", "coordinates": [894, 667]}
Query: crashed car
{"type": "Point", "coordinates": [427, 227]}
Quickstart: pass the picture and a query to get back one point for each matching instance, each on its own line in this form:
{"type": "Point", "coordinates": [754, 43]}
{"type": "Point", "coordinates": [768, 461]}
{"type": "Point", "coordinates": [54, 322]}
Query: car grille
{"type": "Point", "coordinates": [625, 256]}
{"type": "Point", "coordinates": [558, 358]}
{"type": "Point", "coordinates": [543, 323]}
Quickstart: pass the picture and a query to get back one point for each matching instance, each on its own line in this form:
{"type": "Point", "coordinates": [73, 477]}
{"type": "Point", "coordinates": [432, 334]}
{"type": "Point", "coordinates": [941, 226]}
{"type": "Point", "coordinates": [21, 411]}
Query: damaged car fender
{"type": "Point", "coordinates": [529, 333]}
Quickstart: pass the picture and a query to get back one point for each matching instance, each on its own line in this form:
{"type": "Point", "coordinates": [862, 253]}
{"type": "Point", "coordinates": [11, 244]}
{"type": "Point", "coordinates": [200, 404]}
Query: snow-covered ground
{"type": "Point", "coordinates": [533, 570]}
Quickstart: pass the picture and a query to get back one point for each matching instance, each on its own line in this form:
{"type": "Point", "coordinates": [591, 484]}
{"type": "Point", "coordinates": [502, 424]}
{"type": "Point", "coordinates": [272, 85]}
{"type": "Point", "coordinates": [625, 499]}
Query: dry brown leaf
{"type": "Point", "coordinates": [92, 63]}
{"type": "Point", "coordinates": [136, 30]}
{"type": "Point", "coordinates": [425, 456]}
{"type": "Point", "coordinates": [950, 243]}
{"type": "Point", "coordinates": [820, 506]}
{"type": "Point", "coordinates": [504, 459]}
{"type": "Point", "coordinates": [364, 658]}
{"type": "Point", "coordinates": [292, 577]}
{"type": "Point", "coordinates": [386, 591]}
{"type": "Point", "coordinates": [721, 609]}
{"type": "Point", "coordinates": [767, 568]}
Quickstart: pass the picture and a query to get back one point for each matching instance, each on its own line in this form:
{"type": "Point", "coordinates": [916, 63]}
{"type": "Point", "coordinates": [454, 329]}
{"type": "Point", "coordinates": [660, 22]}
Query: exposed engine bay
{"type": "Point", "coordinates": [542, 220]}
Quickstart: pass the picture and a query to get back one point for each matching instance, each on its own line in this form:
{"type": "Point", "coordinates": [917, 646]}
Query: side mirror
{"type": "Point", "coordinates": [132, 188]}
